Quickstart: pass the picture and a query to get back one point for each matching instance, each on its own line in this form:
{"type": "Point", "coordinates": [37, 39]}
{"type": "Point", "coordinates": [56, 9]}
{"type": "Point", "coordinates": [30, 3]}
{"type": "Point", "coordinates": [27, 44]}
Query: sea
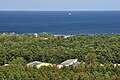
{"type": "Point", "coordinates": [60, 22]}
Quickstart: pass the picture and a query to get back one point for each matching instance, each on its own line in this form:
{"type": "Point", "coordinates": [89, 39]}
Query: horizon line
{"type": "Point", "coordinates": [64, 10]}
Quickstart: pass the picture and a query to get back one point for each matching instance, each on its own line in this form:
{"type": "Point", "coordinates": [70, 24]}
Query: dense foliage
{"type": "Point", "coordinates": [90, 49]}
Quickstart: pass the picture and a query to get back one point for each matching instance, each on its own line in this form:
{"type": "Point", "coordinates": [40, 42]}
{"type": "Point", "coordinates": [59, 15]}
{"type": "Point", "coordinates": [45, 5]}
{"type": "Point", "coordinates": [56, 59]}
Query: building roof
{"type": "Point", "coordinates": [39, 64]}
{"type": "Point", "coordinates": [76, 64]}
{"type": "Point", "coordinates": [44, 64]}
{"type": "Point", "coordinates": [68, 62]}
{"type": "Point", "coordinates": [34, 63]}
{"type": "Point", "coordinates": [6, 65]}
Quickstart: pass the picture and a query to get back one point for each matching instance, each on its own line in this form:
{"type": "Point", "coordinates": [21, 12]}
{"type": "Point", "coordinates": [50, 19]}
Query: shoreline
{"type": "Point", "coordinates": [56, 34]}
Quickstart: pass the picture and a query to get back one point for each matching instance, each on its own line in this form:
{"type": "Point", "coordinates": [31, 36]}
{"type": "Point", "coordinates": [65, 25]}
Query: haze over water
{"type": "Point", "coordinates": [60, 22]}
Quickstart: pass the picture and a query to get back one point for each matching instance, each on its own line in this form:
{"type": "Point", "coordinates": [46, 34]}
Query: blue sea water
{"type": "Point", "coordinates": [60, 22]}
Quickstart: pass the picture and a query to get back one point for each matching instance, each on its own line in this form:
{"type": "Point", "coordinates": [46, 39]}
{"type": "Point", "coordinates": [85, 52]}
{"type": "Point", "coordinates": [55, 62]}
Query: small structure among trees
{"type": "Point", "coordinates": [69, 62]}
{"type": "Point", "coordinates": [39, 64]}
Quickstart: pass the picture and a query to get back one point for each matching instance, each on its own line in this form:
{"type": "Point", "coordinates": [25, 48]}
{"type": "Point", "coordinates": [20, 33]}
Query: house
{"type": "Point", "coordinates": [6, 65]}
{"type": "Point", "coordinates": [101, 65]}
{"type": "Point", "coordinates": [36, 35]}
{"type": "Point", "coordinates": [73, 62]}
{"type": "Point", "coordinates": [65, 36]}
{"type": "Point", "coordinates": [39, 64]}
{"type": "Point", "coordinates": [115, 65]}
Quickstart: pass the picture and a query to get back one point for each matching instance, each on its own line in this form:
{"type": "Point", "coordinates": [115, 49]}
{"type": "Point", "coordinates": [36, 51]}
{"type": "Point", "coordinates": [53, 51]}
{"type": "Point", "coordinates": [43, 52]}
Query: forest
{"type": "Point", "coordinates": [91, 50]}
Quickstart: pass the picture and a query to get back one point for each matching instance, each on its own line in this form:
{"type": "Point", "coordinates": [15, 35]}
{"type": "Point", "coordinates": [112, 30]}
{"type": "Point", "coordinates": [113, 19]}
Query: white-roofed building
{"type": "Point", "coordinates": [34, 63]}
{"type": "Point", "coordinates": [36, 35]}
{"type": "Point", "coordinates": [6, 65]}
{"type": "Point", "coordinates": [69, 62]}
{"type": "Point", "coordinates": [39, 64]}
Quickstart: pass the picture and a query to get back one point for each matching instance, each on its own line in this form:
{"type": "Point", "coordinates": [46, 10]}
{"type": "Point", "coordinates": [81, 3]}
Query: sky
{"type": "Point", "coordinates": [58, 5]}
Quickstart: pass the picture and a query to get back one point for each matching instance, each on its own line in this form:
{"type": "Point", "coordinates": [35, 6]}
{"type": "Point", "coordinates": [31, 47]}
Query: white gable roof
{"type": "Point", "coordinates": [34, 63]}
{"type": "Point", "coordinates": [69, 62]}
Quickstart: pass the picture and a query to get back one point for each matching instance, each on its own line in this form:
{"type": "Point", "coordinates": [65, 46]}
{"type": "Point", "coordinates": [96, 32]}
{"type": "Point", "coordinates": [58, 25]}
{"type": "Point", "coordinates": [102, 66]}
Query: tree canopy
{"type": "Point", "coordinates": [91, 50]}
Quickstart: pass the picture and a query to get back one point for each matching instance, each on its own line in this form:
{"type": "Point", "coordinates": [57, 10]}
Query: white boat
{"type": "Point", "coordinates": [70, 14]}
